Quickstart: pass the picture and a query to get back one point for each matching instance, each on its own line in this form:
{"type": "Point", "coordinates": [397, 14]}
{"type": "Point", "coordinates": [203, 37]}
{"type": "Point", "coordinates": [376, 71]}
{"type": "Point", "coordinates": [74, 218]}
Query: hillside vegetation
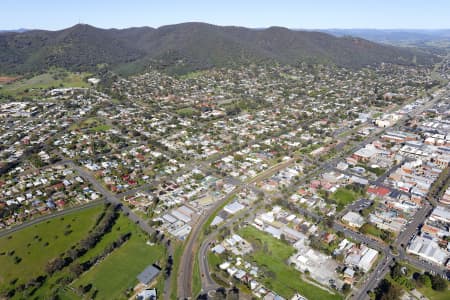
{"type": "Point", "coordinates": [186, 47]}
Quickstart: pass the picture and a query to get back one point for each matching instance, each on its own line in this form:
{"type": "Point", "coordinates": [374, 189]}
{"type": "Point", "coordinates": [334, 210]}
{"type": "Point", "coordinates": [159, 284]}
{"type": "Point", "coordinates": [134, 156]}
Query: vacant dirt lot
{"type": "Point", "coordinates": [6, 79]}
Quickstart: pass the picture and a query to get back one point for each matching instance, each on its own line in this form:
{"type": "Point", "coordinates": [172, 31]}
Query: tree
{"type": "Point", "coordinates": [233, 294]}
{"type": "Point", "coordinates": [76, 269]}
{"type": "Point", "coordinates": [329, 221]}
{"type": "Point", "coordinates": [396, 272]}
{"type": "Point", "coordinates": [54, 265]}
{"type": "Point", "coordinates": [387, 291]}
{"type": "Point", "coordinates": [85, 289]}
{"type": "Point", "coordinates": [438, 283]}
{"type": "Point", "coordinates": [365, 212]}
{"type": "Point", "coordinates": [424, 280]}
{"type": "Point", "coordinates": [346, 288]}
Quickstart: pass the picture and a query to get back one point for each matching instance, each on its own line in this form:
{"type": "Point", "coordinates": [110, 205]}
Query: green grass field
{"type": "Point", "coordinates": [111, 277]}
{"type": "Point", "coordinates": [434, 295]}
{"type": "Point", "coordinates": [286, 280]}
{"type": "Point", "coordinates": [114, 275]}
{"type": "Point", "coordinates": [376, 232]}
{"type": "Point", "coordinates": [371, 229]}
{"type": "Point", "coordinates": [343, 197]}
{"type": "Point", "coordinates": [187, 112]}
{"type": "Point", "coordinates": [213, 260]}
{"type": "Point", "coordinates": [87, 123]}
{"type": "Point", "coordinates": [100, 128]}
{"type": "Point", "coordinates": [30, 244]}
{"type": "Point", "coordinates": [178, 252]}
{"type": "Point", "coordinates": [196, 280]}
{"type": "Point", "coordinates": [55, 78]}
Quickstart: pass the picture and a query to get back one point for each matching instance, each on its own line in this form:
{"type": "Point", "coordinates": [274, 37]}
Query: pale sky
{"type": "Point", "coordinates": [297, 14]}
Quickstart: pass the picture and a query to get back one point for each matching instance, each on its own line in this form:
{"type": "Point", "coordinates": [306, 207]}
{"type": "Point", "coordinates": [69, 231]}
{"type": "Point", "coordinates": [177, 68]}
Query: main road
{"type": "Point", "coordinates": [40, 219]}
{"type": "Point", "coordinates": [380, 270]}
{"type": "Point", "coordinates": [192, 245]}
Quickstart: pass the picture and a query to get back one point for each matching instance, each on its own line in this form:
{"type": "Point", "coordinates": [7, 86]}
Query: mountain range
{"type": "Point", "coordinates": [395, 36]}
{"type": "Point", "coordinates": [189, 46]}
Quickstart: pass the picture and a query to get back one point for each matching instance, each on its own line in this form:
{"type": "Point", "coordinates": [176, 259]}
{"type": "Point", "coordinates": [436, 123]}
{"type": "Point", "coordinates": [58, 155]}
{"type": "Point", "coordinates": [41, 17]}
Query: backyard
{"type": "Point", "coordinates": [271, 255]}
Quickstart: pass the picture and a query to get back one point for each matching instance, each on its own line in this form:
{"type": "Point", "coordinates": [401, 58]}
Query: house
{"type": "Point", "coordinates": [353, 219]}
{"type": "Point", "coordinates": [233, 208]}
{"type": "Point", "coordinates": [368, 259]}
{"type": "Point", "coordinates": [272, 296]}
{"type": "Point", "coordinates": [365, 154]}
{"type": "Point", "coordinates": [349, 275]}
{"type": "Point", "coordinates": [93, 80]}
{"type": "Point", "coordinates": [378, 191]}
{"type": "Point", "coordinates": [440, 213]}
{"type": "Point", "coordinates": [428, 249]}
{"type": "Point", "coordinates": [149, 274]}
{"type": "Point", "coordinates": [219, 249]}
{"type": "Point", "coordinates": [298, 297]}
{"type": "Point", "coordinates": [148, 294]}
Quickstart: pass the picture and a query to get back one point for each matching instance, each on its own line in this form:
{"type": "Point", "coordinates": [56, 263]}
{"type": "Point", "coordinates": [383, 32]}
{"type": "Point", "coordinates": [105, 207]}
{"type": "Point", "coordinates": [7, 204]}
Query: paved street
{"type": "Point", "coordinates": [192, 244]}
{"type": "Point", "coordinates": [383, 266]}
{"type": "Point", "coordinates": [60, 213]}
{"type": "Point", "coordinates": [195, 248]}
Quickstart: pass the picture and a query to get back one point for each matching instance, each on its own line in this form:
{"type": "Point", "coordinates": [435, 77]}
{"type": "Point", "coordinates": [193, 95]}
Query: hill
{"type": "Point", "coordinates": [394, 36]}
{"type": "Point", "coordinates": [187, 47]}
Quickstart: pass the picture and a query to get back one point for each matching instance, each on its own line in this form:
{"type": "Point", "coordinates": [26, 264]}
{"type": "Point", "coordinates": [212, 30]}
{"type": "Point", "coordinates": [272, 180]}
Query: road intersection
{"type": "Point", "coordinates": [388, 254]}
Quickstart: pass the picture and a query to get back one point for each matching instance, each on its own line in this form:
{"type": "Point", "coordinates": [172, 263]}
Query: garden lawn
{"type": "Point", "coordinates": [178, 252]}
{"type": "Point", "coordinates": [101, 128]}
{"type": "Point", "coordinates": [196, 280]}
{"type": "Point", "coordinates": [118, 271]}
{"type": "Point", "coordinates": [29, 244]}
{"type": "Point", "coordinates": [187, 112]}
{"type": "Point", "coordinates": [287, 281]}
{"type": "Point", "coordinates": [213, 260]}
{"type": "Point", "coordinates": [343, 197]}
{"type": "Point", "coordinates": [372, 230]}
{"type": "Point", "coordinates": [434, 295]}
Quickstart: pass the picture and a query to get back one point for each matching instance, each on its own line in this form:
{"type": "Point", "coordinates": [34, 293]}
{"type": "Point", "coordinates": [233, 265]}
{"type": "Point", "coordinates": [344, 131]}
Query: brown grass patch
{"type": "Point", "coordinates": [7, 79]}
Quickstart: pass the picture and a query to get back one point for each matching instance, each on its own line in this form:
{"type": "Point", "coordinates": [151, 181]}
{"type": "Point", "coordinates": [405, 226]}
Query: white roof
{"type": "Point", "coordinates": [177, 214]}
{"type": "Point", "coordinates": [368, 259]}
{"type": "Point", "coordinates": [441, 213]}
{"type": "Point", "coordinates": [217, 220]}
{"type": "Point", "coordinates": [186, 211]}
{"type": "Point", "coordinates": [182, 231]}
{"type": "Point", "coordinates": [349, 271]}
{"type": "Point", "coordinates": [224, 265]}
{"type": "Point", "coordinates": [218, 249]}
{"type": "Point", "coordinates": [366, 152]}
{"type": "Point", "coordinates": [273, 231]}
{"type": "Point", "coordinates": [233, 208]}
{"type": "Point", "coordinates": [239, 274]}
{"type": "Point", "coordinates": [169, 218]}
{"type": "Point", "coordinates": [353, 218]}
{"type": "Point", "coordinates": [428, 249]}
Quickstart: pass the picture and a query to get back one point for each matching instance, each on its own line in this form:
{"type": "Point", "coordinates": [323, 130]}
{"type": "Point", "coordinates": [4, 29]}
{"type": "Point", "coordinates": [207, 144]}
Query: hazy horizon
{"type": "Point", "coordinates": [231, 25]}
{"type": "Point", "coordinates": [320, 15]}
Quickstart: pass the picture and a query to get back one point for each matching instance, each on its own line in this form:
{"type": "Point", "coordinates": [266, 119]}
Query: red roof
{"type": "Point", "coordinates": [378, 190]}
{"type": "Point", "coordinates": [315, 184]}
{"type": "Point", "coordinates": [60, 203]}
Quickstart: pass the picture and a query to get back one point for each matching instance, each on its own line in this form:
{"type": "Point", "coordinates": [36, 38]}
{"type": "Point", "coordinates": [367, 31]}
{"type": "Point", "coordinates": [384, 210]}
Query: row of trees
{"type": "Point", "coordinates": [439, 186]}
{"type": "Point", "coordinates": [79, 268]}
{"type": "Point", "coordinates": [404, 277]}
{"type": "Point", "coordinates": [102, 226]}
